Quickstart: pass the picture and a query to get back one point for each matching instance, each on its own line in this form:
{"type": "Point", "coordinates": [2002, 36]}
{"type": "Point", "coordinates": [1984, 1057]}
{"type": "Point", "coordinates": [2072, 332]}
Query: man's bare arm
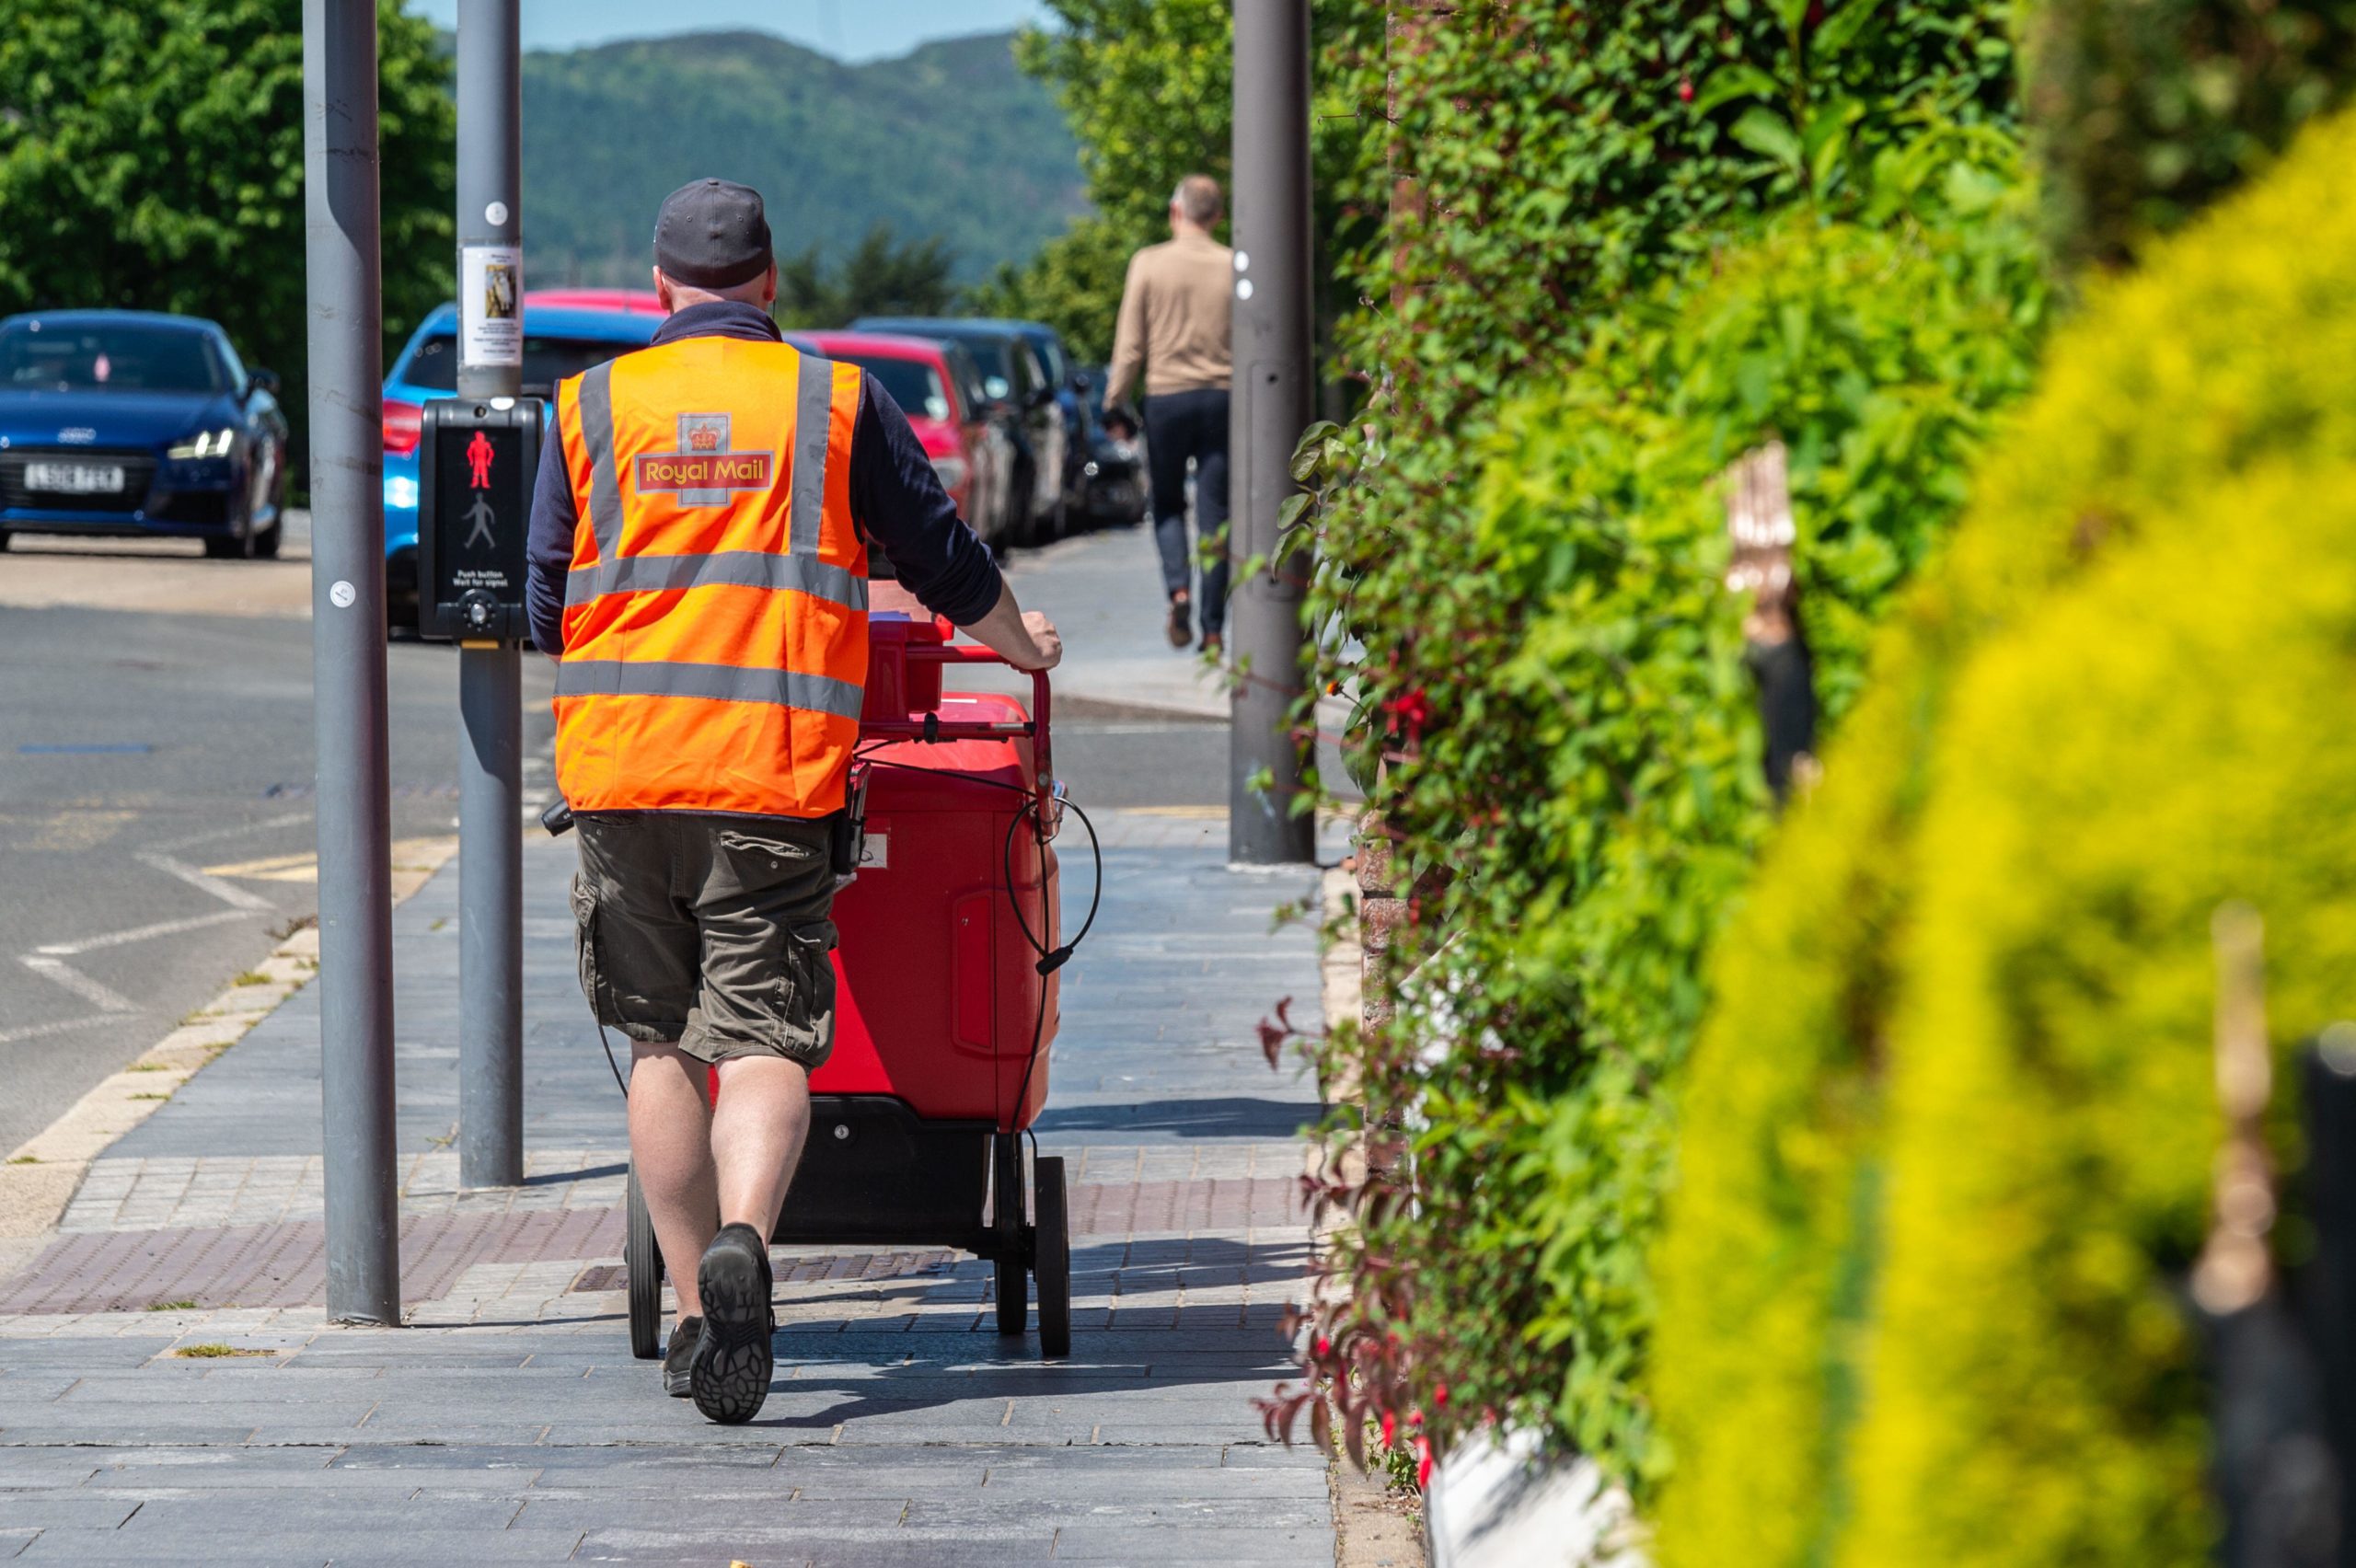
{"type": "Point", "coordinates": [1027, 639]}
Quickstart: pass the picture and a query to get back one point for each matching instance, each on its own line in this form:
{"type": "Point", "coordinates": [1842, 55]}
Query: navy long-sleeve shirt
{"type": "Point", "coordinates": [896, 497]}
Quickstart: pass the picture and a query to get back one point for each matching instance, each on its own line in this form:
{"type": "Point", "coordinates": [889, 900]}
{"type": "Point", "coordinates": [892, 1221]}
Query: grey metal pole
{"type": "Point", "coordinates": [346, 310]}
{"type": "Point", "coordinates": [490, 701]}
{"type": "Point", "coordinates": [1273, 388]}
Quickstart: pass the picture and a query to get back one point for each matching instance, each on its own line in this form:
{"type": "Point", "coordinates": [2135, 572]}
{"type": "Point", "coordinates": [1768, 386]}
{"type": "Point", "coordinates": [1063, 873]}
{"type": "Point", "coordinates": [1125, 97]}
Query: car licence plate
{"type": "Point", "coordinates": [74, 478]}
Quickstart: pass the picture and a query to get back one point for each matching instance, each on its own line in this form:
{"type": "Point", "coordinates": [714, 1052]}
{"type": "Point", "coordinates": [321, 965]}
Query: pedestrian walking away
{"type": "Point", "coordinates": [1175, 323]}
{"type": "Point", "coordinates": [699, 559]}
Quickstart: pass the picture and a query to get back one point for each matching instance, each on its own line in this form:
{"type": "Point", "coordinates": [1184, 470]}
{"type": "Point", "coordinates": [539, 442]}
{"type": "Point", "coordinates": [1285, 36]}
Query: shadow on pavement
{"type": "Point", "coordinates": [1223, 1118]}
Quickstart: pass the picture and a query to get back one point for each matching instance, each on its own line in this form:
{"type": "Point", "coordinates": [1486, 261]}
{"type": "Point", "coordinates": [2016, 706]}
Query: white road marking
{"type": "Point", "coordinates": [141, 933]}
{"type": "Point", "coordinates": [81, 984]}
{"type": "Point", "coordinates": [227, 893]}
{"type": "Point", "coordinates": [36, 1031]}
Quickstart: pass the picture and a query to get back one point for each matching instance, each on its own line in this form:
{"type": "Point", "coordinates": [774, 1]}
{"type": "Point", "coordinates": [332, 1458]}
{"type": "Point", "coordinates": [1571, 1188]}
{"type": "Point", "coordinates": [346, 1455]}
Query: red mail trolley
{"type": "Point", "coordinates": [945, 995]}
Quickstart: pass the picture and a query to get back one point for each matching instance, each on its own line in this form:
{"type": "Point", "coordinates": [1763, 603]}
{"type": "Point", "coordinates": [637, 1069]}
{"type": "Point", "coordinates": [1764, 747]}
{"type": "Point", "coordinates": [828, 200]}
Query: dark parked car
{"type": "Point", "coordinates": [1113, 477]}
{"type": "Point", "coordinates": [132, 423]}
{"type": "Point", "coordinates": [1014, 376]}
{"type": "Point", "coordinates": [1070, 397]}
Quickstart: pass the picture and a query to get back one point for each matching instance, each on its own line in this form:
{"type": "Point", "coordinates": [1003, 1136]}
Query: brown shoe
{"type": "Point", "coordinates": [1213, 642]}
{"type": "Point", "coordinates": [1181, 621]}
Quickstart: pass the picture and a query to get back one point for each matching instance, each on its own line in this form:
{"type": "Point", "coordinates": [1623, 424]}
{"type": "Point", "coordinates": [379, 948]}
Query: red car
{"type": "Point", "coordinates": [972, 451]}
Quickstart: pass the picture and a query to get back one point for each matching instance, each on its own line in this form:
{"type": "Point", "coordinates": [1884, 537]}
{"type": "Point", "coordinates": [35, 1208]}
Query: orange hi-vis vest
{"type": "Point", "coordinates": [715, 617]}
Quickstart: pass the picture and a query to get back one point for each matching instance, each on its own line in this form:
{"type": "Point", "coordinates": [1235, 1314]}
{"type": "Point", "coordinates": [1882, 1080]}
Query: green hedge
{"type": "Point", "coordinates": [1599, 714]}
{"type": "Point", "coordinates": [2238, 348]}
{"type": "Point", "coordinates": [2146, 110]}
{"type": "Point", "coordinates": [2052, 1101]}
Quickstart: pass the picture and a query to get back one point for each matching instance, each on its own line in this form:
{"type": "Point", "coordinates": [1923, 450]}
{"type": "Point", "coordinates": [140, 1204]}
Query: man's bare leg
{"type": "Point", "coordinates": [756, 1135]}
{"type": "Point", "coordinates": [670, 1142]}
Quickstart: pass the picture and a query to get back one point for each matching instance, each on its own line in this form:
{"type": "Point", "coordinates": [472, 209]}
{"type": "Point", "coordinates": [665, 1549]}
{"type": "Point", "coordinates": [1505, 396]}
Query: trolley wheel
{"type": "Point", "coordinates": [1013, 1293]}
{"type": "Point", "coordinates": [1051, 1256]}
{"type": "Point", "coordinates": [643, 1261]}
{"type": "Point", "coordinates": [1013, 1252]}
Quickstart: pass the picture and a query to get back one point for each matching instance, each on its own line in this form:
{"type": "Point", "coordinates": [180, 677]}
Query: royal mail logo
{"type": "Point", "coordinates": [704, 471]}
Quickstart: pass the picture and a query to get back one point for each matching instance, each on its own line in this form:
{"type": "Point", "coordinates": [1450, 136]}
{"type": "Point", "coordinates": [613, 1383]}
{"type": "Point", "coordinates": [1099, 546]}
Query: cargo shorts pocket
{"type": "Point", "coordinates": [809, 961]}
{"type": "Point", "coordinates": [585, 947]}
{"type": "Point", "coordinates": [624, 988]}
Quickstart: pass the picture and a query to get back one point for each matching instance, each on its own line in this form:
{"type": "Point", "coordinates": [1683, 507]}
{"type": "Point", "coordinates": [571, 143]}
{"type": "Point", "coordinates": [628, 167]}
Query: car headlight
{"type": "Point", "coordinates": [951, 471]}
{"type": "Point", "coordinates": [204, 443]}
{"type": "Point", "coordinates": [400, 492]}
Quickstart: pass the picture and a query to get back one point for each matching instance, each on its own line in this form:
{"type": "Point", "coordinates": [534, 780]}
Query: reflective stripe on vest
{"type": "Point", "coordinates": [717, 683]}
{"type": "Point", "coordinates": [716, 610]}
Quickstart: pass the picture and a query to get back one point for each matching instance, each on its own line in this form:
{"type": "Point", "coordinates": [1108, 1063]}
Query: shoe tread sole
{"type": "Point", "coordinates": [733, 1364]}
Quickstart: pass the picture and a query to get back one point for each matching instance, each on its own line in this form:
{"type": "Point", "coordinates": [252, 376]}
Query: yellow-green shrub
{"type": "Point", "coordinates": [2169, 735]}
{"type": "Point", "coordinates": [2236, 345]}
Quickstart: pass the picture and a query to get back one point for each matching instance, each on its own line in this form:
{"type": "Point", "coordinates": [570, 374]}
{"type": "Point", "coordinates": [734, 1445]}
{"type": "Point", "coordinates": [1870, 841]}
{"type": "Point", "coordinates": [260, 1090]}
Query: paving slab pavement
{"type": "Point", "coordinates": [508, 1423]}
{"type": "Point", "coordinates": [1103, 592]}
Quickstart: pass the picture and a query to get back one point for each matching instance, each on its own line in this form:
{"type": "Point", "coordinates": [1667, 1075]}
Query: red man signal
{"type": "Point", "coordinates": [479, 453]}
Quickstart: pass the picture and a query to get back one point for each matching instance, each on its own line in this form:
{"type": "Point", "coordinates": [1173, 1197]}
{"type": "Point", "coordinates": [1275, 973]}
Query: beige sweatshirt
{"type": "Point", "coordinates": [1175, 312]}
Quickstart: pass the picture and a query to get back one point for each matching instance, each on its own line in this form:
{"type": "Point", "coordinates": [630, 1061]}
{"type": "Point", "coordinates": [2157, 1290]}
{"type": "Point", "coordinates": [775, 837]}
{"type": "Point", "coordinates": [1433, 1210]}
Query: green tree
{"type": "Point", "coordinates": [880, 277]}
{"type": "Point", "coordinates": [1073, 284]}
{"type": "Point", "coordinates": [1148, 86]}
{"type": "Point", "coordinates": [2143, 112]}
{"type": "Point", "coordinates": [151, 157]}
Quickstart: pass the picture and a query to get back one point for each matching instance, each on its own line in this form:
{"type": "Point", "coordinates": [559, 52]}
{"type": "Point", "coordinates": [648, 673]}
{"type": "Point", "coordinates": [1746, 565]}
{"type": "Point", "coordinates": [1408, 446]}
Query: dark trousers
{"type": "Point", "coordinates": [1179, 425]}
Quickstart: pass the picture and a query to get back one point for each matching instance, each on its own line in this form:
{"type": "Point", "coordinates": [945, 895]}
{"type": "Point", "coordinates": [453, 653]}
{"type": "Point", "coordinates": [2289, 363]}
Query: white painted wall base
{"type": "Point", "coordinates": [1502, 1501]}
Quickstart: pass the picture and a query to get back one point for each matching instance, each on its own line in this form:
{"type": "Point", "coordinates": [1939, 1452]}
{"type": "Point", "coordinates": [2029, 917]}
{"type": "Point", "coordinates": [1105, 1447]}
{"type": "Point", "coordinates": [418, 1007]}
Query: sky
{"type": "Point", "coordinates": [848, 29]}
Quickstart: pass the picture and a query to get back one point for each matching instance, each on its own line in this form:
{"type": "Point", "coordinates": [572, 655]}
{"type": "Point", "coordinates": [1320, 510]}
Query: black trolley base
{"type": "Point", "coordinates": [875, 1173]}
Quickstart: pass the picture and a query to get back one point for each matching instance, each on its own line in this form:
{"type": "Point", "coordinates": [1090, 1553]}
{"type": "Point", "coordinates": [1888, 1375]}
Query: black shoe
{"type": "Point", "coordinates": [1181, 623]}
{"type": "Point", "coordinates": [680, 1356]}
{"type": "Point", "coordinates": [731, 1375]}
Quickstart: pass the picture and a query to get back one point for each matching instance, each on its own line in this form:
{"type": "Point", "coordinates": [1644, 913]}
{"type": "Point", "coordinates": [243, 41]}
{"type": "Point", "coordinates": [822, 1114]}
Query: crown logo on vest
{"type": "Point", "coordinates": [703, 438]}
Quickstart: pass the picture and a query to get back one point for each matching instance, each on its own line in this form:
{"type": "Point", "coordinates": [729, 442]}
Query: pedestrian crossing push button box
{"type": "Point", "coordinates": [477, 462]}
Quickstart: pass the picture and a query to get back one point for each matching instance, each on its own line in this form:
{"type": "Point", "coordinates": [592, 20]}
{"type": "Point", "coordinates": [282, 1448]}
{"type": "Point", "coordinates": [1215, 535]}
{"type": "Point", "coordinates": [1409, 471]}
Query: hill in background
{"type": "Point", "coordinates": [950, 141]}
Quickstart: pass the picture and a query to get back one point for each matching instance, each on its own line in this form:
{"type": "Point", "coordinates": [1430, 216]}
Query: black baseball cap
{"type": "Point", "coordinates": [713, 233]}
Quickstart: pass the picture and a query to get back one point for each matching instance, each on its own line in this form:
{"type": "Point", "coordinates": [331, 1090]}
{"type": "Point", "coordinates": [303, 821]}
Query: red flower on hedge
{"type": "Point", "coordinates": [1413, 710]}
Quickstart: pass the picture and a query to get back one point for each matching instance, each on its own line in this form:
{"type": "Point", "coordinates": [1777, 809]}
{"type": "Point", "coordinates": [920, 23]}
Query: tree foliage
{"type": "Point", "coordinates": [2145, 111]}
{"type": "Point", "coordinates": [151, 157]}
{"type": "Point", "coordinates": [880, 276]}
{"type": "Point", "coordinates": [1148, 86]}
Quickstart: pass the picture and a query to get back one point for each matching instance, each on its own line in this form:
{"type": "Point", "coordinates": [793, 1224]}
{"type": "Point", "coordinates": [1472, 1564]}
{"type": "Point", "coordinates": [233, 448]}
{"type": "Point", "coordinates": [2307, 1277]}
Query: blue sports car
{"type": "Point", "coordinates": [130, 422]}
{"type": "Point", "coordinates": [565, 333]}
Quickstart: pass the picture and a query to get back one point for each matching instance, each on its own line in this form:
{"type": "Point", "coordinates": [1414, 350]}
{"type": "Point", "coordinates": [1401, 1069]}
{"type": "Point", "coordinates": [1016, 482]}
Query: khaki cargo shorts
{"type": "Point", "coordinates": [710, 930]}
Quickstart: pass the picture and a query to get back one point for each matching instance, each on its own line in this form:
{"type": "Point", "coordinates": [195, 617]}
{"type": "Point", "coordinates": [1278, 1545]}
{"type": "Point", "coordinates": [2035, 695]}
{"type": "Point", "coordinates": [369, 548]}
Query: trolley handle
{"type": "Point", "coordinates": [1042, 759]}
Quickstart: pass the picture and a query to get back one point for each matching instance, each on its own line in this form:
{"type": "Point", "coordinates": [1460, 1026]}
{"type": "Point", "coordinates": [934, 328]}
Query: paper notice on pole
{"type": "Point", "coordinates": [490, 297]}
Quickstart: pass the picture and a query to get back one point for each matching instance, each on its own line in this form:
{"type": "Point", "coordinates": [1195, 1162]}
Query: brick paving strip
{"type": "Point", "coordinates": [284, 1265]}
{"type": "Point", "coordinates": [508, 1423]}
